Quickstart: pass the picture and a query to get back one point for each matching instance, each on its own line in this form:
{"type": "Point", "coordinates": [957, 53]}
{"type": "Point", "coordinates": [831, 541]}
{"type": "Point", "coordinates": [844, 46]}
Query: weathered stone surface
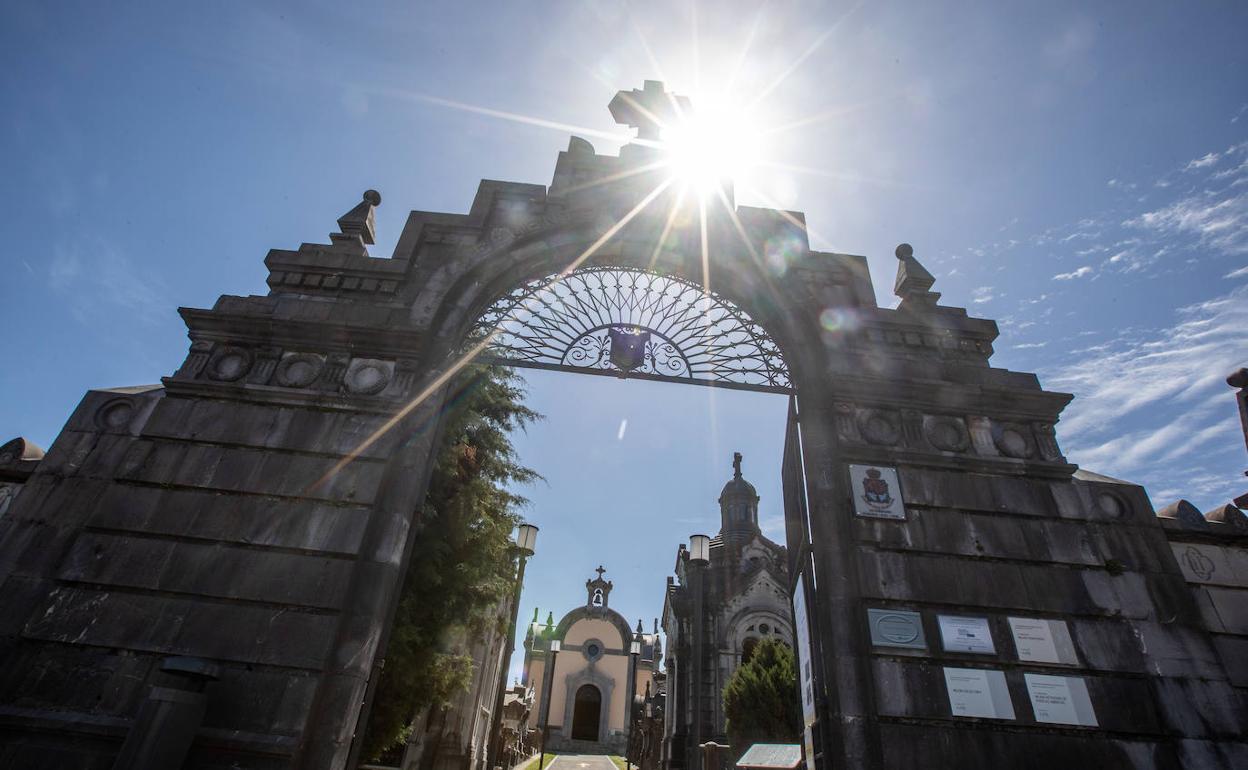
{"type": "Point", "coordinates": [1213, 753]}
{"type": "Point", "coordinates": [249, 470]}
{"type": "Point", "coordinates": [1233, 652]}
{"type": "Point", "coordinates": [1231, 606]}
{"type": "Point", "coordinates": [1212, 564]}
{"type": "Point", "coordinates": [208, 569]}
{"type": "Point", "coordinates": [141, 622]}
{"type": "Point", "coordinates": [267, 427]}
{"type": "Point", "coordinates": [1202, 709]}
{"type": "Point", "coordinates": [916, 689]}
{"type": "Point", "coordinates": [974, 746]}
{"type": "Point", "coordinates": [248, 519]}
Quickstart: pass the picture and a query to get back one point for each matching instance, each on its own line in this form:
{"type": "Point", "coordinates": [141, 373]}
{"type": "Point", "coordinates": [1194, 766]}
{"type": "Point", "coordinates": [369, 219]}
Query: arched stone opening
{"type": "Point", "coordinates": [747, 648]}
{"type": "Point", "coordinates": [586, 713]}
{"type": "Point", "coordinates": [480, 282]}
{"type": "Point", "coordinates": [631, 322]}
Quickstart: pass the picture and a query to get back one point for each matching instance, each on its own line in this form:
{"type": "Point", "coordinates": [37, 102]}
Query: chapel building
{"type": "Point", "coordinates": [742, 596]}
{"type": "Point", "coordinates": [582, 688]}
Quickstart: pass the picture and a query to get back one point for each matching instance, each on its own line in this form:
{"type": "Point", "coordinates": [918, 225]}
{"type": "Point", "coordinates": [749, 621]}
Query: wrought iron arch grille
{"type": "Point", "coordinates": [631, 322]}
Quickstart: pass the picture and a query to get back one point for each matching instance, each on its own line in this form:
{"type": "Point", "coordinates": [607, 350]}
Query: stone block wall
{"type": "Point", "coordinates": [237, 514]}
{"type": "Point", "coordinates": [1088, 553]}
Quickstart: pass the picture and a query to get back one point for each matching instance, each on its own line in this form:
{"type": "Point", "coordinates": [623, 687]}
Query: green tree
{"type": "Point", "coordinates": [761, 700]}
{"type": "Point", "coordinates": [461, 564]}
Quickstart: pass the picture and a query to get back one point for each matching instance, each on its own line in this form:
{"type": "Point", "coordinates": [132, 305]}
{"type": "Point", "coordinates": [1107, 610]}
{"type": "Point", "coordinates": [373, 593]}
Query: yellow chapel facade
{"type": "Point", "coordinates": [582, 699]}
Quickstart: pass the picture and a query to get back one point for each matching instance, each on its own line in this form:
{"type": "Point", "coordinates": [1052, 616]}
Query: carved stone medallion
{"type": "Point", "coordinates": [1011, 440]}
{"type": "Point", "coordinates": [298, 370]}
{"type": "Point", "coordinates": [115, 415]}
{"type": "Point", "coordinates": [879, 427]}
{"type": "Point", "coordinates": [947, 434]}
{"type": "Point", "coordinates": [229, 363]}
{"type": "Point", "coordinates": [368, 376]}
{"type": "Point", "coordinates": [1111, 505]}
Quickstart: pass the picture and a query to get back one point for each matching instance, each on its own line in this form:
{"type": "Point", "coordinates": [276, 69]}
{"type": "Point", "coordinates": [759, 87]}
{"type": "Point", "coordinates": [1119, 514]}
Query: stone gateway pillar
{"type": "Point", "coordinates": [971, 594]}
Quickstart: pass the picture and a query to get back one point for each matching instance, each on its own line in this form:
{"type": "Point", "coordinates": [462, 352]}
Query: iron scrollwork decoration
{"type": "Point", "coordinates": [631, 321]}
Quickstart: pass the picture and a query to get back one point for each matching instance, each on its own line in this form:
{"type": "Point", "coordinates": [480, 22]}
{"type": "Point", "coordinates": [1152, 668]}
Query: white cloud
{"type": "Point", "coordinates": [100, 279]}
{"type": "Point", "coordinates": [1240, 273]}
{"type": "Point", "coordinates": [1075, 235]}
{"type": "Point", "coordinates": [1233, 171]}
{"type": "Point", "coordinates": [1029, 345]}
{"type": "Point", "coordinates": [1221, 223]}
{"type": "Point", "coordinates": [1079, 273]}
{"type": "Point", "coordinates": [1206, 160]}
{"type": "Point", "coordinates": [1147, 403]}
{"type": "Point", "coordinates": [981, 294]}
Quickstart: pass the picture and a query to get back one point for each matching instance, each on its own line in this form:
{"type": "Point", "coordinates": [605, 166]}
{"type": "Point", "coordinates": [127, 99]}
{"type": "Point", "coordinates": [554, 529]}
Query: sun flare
{"type": "Point", "coordinates": [711, 146]}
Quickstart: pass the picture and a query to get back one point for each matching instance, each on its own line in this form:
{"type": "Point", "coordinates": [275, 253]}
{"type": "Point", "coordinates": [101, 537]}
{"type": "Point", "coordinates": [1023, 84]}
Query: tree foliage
{"type": "Point", "coordinates": [461, 564]}
{"type": "Point", "coordinates": [762, 703]}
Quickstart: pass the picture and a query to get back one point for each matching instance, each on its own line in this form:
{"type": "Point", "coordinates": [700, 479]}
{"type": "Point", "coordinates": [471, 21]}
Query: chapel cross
{"type": "Point", "coordinates": [649, 109]}
{"type": "Point", "coordinates": [600, 571]}
{"type": "Point", "coordinates": [736, 464]}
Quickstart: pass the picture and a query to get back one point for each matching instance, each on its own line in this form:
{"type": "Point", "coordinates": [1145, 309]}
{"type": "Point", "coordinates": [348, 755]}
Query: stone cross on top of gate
{"type": "Point", "coordinates": [649, 109]}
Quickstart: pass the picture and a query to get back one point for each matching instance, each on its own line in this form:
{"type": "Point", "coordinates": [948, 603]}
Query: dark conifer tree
{"type": "Point", "coordinates": [761, 700]}
{"type": "Point", "coordinates": [461, 564]}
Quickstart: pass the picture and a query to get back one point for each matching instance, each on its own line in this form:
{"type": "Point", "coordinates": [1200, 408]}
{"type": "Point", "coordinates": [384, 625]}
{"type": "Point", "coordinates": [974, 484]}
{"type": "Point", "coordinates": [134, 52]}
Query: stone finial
{"type": "Point", "coordinates": [648, 109]}
{"type": "Point", "coordinates": [18, 450]}
{"type": "Point", "coordinates": [1229, 515]}
{"type": "Point", "coordinates": [1239, 379]}
{"type": "Point", "coordinates": [913, 282]}
{"type": "Point", "coordinates": [1188, 515]}
{"type": "Point", "coordinates": [356, 227]}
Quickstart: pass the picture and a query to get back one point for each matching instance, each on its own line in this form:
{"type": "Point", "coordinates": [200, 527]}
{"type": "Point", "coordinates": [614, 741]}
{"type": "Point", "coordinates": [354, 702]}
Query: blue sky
{"type": "Point", "coordinates": [1077, 172]}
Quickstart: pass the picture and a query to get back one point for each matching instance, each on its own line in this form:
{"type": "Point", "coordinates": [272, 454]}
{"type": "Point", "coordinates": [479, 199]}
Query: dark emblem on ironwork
{"type": "Point", "coordinates": [628, 321]}
{"type": "Point", "coordinates": [875, 489]}
{"type": "Point", "coordinates": [628, 348]}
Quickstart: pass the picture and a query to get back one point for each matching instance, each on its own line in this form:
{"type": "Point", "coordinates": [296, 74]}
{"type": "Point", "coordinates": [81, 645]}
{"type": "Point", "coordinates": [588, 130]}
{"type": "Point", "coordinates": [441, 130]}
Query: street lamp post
{"type": "Point", "coordinates": [634, 650]}
{"type": "Point", "coordinates": [699, 558]}
{"type": "Point", "coordinates": [550, 678]}
{"type": "Point", "coordinates": [526, 542]}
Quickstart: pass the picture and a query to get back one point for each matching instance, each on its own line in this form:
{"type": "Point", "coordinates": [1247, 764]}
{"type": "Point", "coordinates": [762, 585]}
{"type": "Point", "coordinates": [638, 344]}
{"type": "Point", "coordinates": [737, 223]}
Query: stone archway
{"type": "Point", "coordinates": [257, 509]}
{"type": "Point", "coordinates": [574, 688]}
{"type": "Point", "coordinates": [587, 714]}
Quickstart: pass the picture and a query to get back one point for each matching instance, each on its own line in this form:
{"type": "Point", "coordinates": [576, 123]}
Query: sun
{"type": "Point", "coordinates": [712, 145]}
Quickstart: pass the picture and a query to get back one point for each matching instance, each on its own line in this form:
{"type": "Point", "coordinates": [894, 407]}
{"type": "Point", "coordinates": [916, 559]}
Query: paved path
{"type": "Point", "coordinates": [580, 762]}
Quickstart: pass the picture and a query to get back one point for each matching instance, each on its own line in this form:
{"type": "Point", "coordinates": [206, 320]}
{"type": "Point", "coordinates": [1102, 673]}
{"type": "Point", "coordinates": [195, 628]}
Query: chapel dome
{"type": "Point", "coordinates": [738, 506]}
{"type": "Point", "coordinates": [737, 487]}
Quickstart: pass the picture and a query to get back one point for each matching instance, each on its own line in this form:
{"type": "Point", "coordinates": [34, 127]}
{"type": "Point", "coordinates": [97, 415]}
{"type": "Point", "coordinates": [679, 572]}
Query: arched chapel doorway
{"type": "Point", "coordinates": [586, 712]}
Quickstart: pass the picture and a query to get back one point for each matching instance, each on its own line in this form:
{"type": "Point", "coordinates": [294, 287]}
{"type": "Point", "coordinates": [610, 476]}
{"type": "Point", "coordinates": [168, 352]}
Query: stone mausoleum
{"type": "Point", "coordinates": [740, 597]}
{"type": "Point", "coordinates": [201, 573]}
